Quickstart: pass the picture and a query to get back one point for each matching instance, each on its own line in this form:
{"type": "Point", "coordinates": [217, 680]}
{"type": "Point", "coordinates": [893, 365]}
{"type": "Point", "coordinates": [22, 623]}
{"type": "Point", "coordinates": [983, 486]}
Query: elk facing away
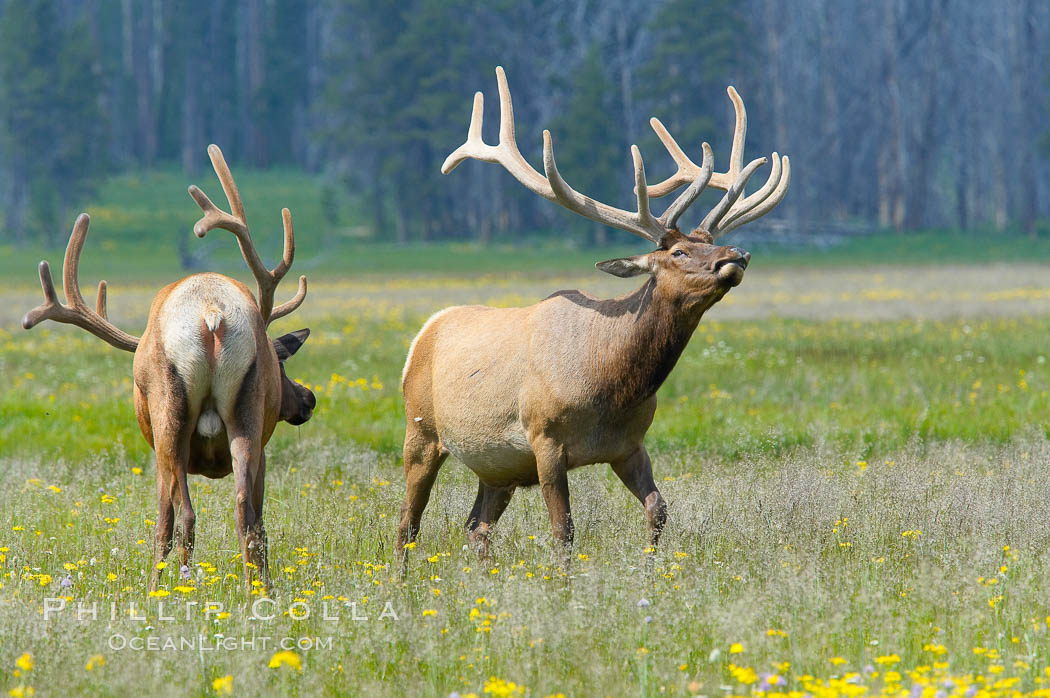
{"type": "Point", "coordinates": [210, 385]}
{"type": "Point", "coordinates": [523, 395]}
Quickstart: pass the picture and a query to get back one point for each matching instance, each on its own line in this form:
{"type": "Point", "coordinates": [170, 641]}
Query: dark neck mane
{"type": "Point", "coordinates": [639, 344]}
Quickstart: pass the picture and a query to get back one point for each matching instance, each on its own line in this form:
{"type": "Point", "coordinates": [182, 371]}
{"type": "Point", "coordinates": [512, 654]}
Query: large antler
{"type": "Point", "coordinates": [726, 215]}
{"type": "Point", "coordinates": [236, 223]}
{"type": "Point", "coordinates": [552, 187]}
{"type": "Point", "coordinates": [76, 311]}
{"type": "Point", "coordinates": [732, 212]}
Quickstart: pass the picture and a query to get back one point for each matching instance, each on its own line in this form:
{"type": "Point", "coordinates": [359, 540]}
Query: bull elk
{"type": "Point", "coordinates": [209, 385]}
{"type": "Point", "coordinates": [523, 395]}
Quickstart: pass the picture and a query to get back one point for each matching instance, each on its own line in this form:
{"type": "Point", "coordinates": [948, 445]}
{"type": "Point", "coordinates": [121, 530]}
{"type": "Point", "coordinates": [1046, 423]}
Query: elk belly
{"type": "Point", "coordinates": [504, 456]}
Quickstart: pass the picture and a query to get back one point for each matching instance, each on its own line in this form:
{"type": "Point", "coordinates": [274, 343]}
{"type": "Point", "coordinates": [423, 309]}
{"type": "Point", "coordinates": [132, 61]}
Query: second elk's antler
{"type": "Point", "coordinates": [76, 311]}
{"type": "Point", "coordinates": [731, 212]}
{"type": "Point", "coordinates": [236, 223]}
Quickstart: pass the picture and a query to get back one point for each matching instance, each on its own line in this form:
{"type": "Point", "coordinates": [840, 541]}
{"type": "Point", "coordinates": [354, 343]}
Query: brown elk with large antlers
{"type": "Point", "coordinates": [210, 385]}
{"type": "Point", "coordinates": [523, 395]}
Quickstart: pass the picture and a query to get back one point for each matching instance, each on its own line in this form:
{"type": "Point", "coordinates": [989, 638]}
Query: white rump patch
{"type": "Point", "coordinates": [201, 305]}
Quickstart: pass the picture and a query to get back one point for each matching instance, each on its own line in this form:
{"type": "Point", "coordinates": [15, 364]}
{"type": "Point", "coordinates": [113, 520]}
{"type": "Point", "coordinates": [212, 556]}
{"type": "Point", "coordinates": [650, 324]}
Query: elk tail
{"type": "Point", "coordinates": [212, 320]}
{"type": "Point", "coordinates": [209, 424]}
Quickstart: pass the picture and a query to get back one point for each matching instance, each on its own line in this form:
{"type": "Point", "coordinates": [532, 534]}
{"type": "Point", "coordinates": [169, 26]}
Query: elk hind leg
{"type": "Point", "coordinates": [186, 531]}
{"type": "Point", "coordinates": [423, 459]}
{"type": "Point", "coordinates": [172, 450]}
{"type": "Point", "coordinates": [488, 508]}
{"type": "Point", "coordinates": [258, 488]}
{"type": "Point", "coordinates": [163, 534]}
{"type": "Point", "coordinates": [423, 456]}
{"type": "Point", "coordinates": [245, 453]}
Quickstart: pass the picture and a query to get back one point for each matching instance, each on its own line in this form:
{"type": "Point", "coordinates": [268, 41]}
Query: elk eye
{"type": "Point", "coordinates": [679, 253]}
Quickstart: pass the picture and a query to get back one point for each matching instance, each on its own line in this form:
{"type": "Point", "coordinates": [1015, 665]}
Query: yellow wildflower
{"type": "Point", "coordinates": [287, 658]}
{"type": "Point", "coordinates": [25, 662]}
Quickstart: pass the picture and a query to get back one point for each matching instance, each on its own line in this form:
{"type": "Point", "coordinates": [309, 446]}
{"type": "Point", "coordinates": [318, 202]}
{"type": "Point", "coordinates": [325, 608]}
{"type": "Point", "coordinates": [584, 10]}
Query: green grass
{"type": "Point", "coordinates": [741, 389]}
{"type": "Point", "coordinates": [919, 248]}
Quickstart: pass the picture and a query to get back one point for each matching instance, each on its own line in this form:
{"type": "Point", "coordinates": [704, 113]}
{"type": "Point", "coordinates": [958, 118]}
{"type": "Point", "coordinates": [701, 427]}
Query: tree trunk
{"type": "Point", "coordinates": [626, 77]}
{"type": "Point", "coordinates": [144, 51]}
{"type": "Point", "coordinates": [15, 210]}
{"type": "Point", "coordinates": [601, 237]}
{"type": "Point", "coordinates": [250, 77]}
{"type": "Point", "coordinates": [192, 116]}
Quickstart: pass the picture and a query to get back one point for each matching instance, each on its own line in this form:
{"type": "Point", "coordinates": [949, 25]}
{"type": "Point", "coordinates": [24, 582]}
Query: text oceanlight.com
{"type": "Point", "coordinates": [215, 643]}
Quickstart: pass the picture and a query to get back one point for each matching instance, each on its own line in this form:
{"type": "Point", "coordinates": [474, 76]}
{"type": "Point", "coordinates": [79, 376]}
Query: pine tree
{"type": "Point", "coordinates": [50, 121]}
{"type": "Point", "coordinates": [587, 140]}
{"type": "Point", "coordinates": [697, 47]}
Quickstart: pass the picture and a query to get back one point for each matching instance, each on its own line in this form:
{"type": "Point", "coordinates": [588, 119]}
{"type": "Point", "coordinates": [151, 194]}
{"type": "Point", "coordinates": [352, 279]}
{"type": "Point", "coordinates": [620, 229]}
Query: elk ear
{"type": "Point", "coordinates": [626, 266]}
{"type": "Point", "coordinates": [288, 344]}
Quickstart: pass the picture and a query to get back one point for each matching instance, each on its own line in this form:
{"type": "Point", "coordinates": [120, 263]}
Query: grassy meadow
{"type": "Point", "coordinates": [854, 451]}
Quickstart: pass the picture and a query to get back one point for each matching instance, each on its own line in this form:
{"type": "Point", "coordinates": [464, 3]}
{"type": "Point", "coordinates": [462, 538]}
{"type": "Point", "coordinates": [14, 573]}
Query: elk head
{"type": "Point", "coordinates": [297, 401]}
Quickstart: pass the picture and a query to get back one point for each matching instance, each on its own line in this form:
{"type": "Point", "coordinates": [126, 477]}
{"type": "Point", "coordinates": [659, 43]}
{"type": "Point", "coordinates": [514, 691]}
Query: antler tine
{"type": "Point", "coordinates": [100, 300]}
{"type": "Point", "coordinates": [736, 155]}
{"type": "Point", "coordinates": [474, 146]}
{"type": "Point", "coordinates": [71, 262]}
{"type": "Point", "coordinates": [75, 311]}
{"type": "Point", "coordinates": [641, 222]}
{"type": "Point", "coordinates": [686, 198]}
{"type": "Point", "coordinates": [288, 256]}
{"type": "Point", "coordinates": [50, 308]}
{"type": "Point", "coordinates": [282, 268]}
{"type": "Point", "coordinates": [288, 306]}
{"type": "Point", "coordinates": [229, 186]}
{"type": "Point", "coordinates": [746, 203]}
{"type": "Point", "coordinates": [714, 217]}
{"type": "Point", "coordinates": [688, 170]}
{"type": "Point", "coordinates": [506, 152]}
{"type": "Point", "coordinates": [765, 205]}
{"type": "Point", "coordinates": [237, 224]}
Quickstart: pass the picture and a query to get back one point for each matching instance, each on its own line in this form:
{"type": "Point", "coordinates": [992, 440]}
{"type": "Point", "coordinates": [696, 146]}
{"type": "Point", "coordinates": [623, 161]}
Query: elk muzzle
{"type": "Point", "coordinates": [304, 408]}
{"type": "Point", "coordinates": [730, 269]}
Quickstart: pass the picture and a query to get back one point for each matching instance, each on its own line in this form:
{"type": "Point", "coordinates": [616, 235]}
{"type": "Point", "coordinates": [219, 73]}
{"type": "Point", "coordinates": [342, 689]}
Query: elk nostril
{"type": "Point", "coordinates": [744, 254]}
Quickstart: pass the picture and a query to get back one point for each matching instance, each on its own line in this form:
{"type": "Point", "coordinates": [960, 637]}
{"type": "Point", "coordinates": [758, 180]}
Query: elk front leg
{"type": "Point", "coordinates": [553, 471]}
{"type": "Point", "coordinates": [488, 507]}
{"type": "Point", "coordinates": [423, 458]}
{"type": "Point", "coordinates": [636, 472]}
{"type": "Point", "coordinates": [245, 452]}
